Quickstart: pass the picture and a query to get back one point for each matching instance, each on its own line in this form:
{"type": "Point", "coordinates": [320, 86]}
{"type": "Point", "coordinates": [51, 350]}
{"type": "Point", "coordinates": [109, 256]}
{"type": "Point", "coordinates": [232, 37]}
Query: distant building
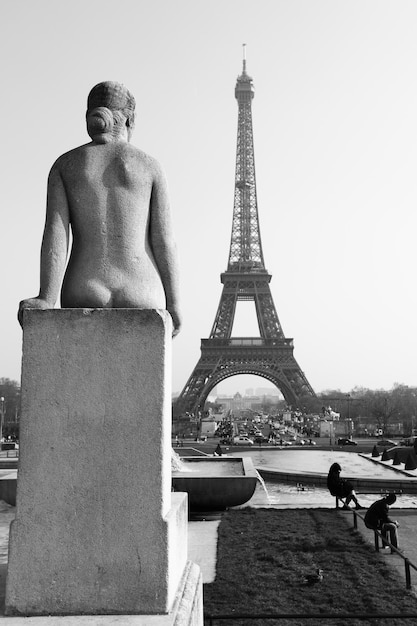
{"type": "Point", "coordinates": [336, 428]}
{"type": "Point", "coordinates": [237, 402]}
{"type": "Point", "coordinates": [208, 427]}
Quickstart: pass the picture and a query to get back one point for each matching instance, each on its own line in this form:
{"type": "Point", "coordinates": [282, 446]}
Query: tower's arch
{"type": "Point", "coordinates": [280, 384]}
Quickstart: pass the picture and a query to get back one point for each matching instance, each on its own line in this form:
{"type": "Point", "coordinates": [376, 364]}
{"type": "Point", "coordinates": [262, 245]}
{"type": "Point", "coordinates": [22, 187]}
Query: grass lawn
{"type": "Point", "coordinates": [263, 556]}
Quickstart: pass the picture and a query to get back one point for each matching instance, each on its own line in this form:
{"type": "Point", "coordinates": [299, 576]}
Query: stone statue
{"type": "Point", "coordinates": [114, 198]}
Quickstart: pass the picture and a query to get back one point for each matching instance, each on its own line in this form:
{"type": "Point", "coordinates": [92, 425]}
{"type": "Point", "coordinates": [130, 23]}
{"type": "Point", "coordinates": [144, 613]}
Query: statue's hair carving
{"type": "Point", "coordinates": [99, 121]}
{"type": "Point", "coordinates": [110, 105]}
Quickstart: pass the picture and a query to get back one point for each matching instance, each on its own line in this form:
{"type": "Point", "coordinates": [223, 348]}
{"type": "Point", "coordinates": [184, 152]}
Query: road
{"type": "Point", "coordinates": [323, 443]}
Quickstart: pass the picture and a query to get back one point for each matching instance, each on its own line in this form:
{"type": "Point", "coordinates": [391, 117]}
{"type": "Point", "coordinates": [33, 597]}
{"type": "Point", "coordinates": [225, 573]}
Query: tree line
{"type": "Point", "coordinates": [10, 406]}
{"type": "Point", "coordinates": [397, 405]}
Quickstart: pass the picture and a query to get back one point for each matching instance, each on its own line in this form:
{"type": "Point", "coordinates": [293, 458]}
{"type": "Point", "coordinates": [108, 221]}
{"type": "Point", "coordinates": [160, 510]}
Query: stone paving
{"type": "Point", "coordinates": [202, 547]}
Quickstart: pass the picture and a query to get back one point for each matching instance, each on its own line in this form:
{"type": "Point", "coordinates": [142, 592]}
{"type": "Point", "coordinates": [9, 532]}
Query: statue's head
{"type": "Point", "coordinates": [110, 110]}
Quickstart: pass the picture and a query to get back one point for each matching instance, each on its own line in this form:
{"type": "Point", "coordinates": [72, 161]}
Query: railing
{"type": "Point", "coordinates": [210, 620]}
{"type": "Point", "coordinates": [247, 341]}
{"type": "Point", "coordinates": [6, 454]}
{"type": "Point", "coordinates": [378, 535]}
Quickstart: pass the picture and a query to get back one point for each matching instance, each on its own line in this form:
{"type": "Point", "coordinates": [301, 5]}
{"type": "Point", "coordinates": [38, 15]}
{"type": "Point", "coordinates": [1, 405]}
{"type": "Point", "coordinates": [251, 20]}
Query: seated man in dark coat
{"type": "Point", "coordinates": [376, 518]}
{"type": "Point", "coordinates": [341, 487]}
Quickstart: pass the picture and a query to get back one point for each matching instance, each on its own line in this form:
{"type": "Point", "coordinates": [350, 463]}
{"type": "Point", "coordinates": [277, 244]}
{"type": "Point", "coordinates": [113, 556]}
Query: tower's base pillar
{"type": "Point", "coordinates": [97, 530]}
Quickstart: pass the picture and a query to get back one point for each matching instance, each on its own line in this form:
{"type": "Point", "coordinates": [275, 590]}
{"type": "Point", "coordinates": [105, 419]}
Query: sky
{"type": "Point", "coordinates": [335, 136]}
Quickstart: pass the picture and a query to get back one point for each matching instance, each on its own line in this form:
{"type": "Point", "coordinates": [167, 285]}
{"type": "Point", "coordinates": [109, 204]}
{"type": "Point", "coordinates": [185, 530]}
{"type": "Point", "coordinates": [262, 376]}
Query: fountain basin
{"type": "Point", "coordinates": [310, 467]}
{"type": "Point", "coordinates": [215, 483]}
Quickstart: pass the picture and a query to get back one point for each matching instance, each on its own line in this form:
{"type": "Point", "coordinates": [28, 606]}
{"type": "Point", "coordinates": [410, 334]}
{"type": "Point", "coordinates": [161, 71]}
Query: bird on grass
{"type": "Point", "coordinates": [312, 579]}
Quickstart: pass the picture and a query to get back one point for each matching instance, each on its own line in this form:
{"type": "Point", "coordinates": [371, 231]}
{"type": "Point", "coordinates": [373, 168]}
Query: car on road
{"type": "Point", "coordinates": [344, 441]}
{"type": "Point", "coordinates": [240, 440]}
{"type": "Point", "coordinates": [386, 443]}
{"type": "Point", "coordinates": [260, 438]}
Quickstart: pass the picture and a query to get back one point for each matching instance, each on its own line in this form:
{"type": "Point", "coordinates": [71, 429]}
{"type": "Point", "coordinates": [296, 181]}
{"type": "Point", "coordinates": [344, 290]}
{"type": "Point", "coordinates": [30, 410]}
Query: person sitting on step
{"type": "Point", "coordinates": [340, 487]}
{"type": "Point", "coordinates": [376, 518]}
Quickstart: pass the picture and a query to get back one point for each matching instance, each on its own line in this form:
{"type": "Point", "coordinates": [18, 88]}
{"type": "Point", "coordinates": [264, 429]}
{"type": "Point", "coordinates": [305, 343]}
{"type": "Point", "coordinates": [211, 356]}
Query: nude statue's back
{"type": "Point", "coordinates": [109, 188]}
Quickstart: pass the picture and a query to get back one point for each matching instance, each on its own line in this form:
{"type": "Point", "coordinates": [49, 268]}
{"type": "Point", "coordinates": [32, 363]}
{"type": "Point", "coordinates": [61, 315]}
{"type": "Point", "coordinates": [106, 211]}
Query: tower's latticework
{"type": "Point", "coordinates": [271, 354]}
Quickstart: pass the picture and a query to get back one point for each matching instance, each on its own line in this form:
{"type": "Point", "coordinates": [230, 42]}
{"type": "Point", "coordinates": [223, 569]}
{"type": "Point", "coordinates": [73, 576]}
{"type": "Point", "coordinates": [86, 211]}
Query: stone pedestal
{"type": "Point", "coordinates": [97, 529]}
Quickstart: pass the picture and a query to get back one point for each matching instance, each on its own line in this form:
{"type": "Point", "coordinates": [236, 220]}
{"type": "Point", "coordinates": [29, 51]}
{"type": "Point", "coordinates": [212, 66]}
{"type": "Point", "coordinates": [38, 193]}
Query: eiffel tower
{"type": "Point", "coordinates": [271, 354]}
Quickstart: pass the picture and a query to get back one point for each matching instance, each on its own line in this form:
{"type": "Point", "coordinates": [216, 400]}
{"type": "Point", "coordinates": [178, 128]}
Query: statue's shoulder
{"type": "Point", "coordinates": [145, 158]}
{"type": "Point", "coordinates": [69, 157]}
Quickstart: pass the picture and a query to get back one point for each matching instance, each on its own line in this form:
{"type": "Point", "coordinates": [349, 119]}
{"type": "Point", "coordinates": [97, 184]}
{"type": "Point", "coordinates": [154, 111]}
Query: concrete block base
{"type": "Point", "coordinates": [97, 530]}
{"type": "Point", "coordinates": [186, 611]}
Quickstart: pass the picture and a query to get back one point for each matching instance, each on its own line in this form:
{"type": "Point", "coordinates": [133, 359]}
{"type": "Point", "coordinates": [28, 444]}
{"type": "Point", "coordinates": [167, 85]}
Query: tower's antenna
{"type": "Point", "coordinates": [244, 56]}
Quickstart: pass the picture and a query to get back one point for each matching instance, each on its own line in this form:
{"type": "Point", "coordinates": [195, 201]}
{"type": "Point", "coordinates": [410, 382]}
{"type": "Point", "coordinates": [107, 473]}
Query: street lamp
{"type": "Point", "coordinates": [414, 414]}
{"type": "Point", "coordinates": [1, 417]}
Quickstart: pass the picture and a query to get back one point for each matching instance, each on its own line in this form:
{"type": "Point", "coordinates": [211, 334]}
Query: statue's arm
{"type": "Point", "coordinates": [164, 248]}
{"type": "Point", "coordinates": [54, 248]}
